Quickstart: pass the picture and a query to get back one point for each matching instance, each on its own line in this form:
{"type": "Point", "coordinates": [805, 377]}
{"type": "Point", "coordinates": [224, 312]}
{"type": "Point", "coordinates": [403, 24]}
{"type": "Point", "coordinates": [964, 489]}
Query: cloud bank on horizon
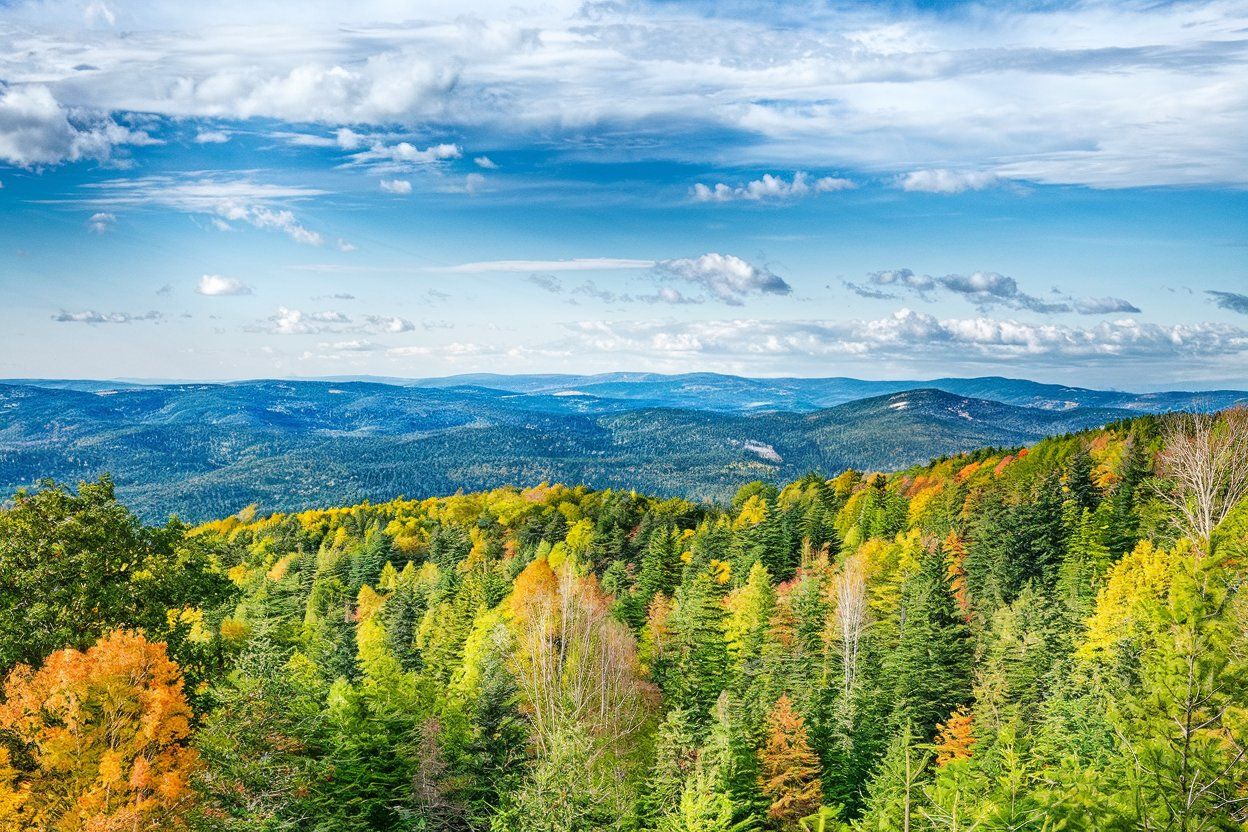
{"type": "Point", "coordinates": [1055, 190]}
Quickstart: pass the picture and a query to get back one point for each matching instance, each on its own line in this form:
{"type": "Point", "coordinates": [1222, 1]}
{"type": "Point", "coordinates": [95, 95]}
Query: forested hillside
{"type": "Point", "coordinates": [1041, 639]}
{"type": "Point", "coordinates": [207, 450]}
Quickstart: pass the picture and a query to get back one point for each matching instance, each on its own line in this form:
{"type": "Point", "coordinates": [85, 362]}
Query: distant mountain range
{"type": "Point", "coordinates": [205, 450]}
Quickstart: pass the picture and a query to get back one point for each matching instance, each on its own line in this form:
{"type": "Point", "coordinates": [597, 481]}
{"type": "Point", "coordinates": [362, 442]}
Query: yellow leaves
{"type": "Point", "coordinates": [721, 571]}
{"type": "Point", "coordinates": [238, 575]}
{"type": "Point", "coordinates": [368, 602]}
{"type": "Point", "coordinates": [111, 769]}
{"type": "Point", "coordinates": [921, 500]}
{"type": "Point", "coordinates": [753, 512]}
{"type": "Point", "coordinates": [107, 729]}
{"type": "Point", "coordinates": [234, 631]}
{"type": "Point", "coordinates": [279, 569]}
{"type": "Point", "coordinates": [193, 619]}
{"type": "Point", "coordinates": [580, 538]}
{"type": "Point", "coordinates": [1142, 577]}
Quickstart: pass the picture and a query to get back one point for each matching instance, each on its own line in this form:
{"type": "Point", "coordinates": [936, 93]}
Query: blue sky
{"type": "Point", "coordinates": [885, 190]}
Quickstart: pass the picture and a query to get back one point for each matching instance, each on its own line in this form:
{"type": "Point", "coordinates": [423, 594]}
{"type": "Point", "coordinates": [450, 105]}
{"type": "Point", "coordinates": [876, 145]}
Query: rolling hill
{"type": "Point", "coordinates": [203, 450]}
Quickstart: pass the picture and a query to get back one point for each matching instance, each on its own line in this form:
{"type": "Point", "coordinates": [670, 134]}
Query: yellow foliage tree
{"type": "Point", "coordinates": [106, 731]}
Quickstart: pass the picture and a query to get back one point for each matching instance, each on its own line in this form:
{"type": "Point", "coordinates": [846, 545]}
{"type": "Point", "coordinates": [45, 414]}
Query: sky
{"type": "Point", "coordinates": [1049, 190]}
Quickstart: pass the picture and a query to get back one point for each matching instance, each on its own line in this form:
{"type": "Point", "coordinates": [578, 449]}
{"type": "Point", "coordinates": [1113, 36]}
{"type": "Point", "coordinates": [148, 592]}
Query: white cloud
{"type": "Point", "coordinates": [1104, 306]}
{"type": "Point", "coordinates": [770, 187]}
{"type": "Point", "coordinates": [726, 277]}
{"type": "Point", "coordinates": [100, 222]}
{"type": "Point", "coordinates": [985, 289]}
{"type": "Point", "coordinates": [944, 181]}
{"type": "Point", "coordinates": [36, 130]}
{"type": "Point", "coordinates": [576, 264]}
{"type": "Point", "coordinates": [212, 137]}
{"type": "Point", "coordinates": [915, 338]}
{"type": "Point", "coordinates": [404, 156]}
{"type": "Point", "coordinates": [355, 345]}
{"type": "Point", "coordinates": [226, 200]}
{"type": "Point", "coordinates": [385, 323]}
{"type": "Point", "coordinates": [215, 285]}
{"type": "Point", "coordinates": [92, 317]}
{"type": "Point", "coordinates": [396, 186]}
{"type": "Point", "coordinates": [288, 321]}
{"type": "Point", "coordinates": [485, 162]}
{"type": "Point", "coordinates": [1102, 94]}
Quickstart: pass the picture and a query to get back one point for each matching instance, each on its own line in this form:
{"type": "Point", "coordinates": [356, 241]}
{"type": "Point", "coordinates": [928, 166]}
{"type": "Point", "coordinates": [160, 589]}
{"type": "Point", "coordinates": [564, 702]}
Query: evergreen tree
{"type": "Point", "coordinates": [790, 769]}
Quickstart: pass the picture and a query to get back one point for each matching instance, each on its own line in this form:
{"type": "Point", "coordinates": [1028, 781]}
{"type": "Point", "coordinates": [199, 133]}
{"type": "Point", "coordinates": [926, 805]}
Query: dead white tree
{"type": "Point", "coordinates": [850, 615]}
{"type": "Point", "coordinates": [1206, 460]}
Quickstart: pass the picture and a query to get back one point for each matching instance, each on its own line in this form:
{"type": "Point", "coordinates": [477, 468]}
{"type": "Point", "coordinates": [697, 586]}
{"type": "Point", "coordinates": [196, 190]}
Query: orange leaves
{"type": "Point", "coordinates": [789, 768]}
{"type": "Point", "coordinates": [955, 573]}
{"type": "Point", "coordinates": [107, 731]}
{"type": "Point", "coordinates": [955, 739]}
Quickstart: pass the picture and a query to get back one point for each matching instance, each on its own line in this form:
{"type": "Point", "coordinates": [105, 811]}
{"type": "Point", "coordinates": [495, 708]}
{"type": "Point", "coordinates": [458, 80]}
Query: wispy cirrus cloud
{"type": "Point", "coordinates": [225, 200]}
{"type": "Point", "coordinates": [575, 264]}
{"type": "Point", "coordinates": [724, 277]}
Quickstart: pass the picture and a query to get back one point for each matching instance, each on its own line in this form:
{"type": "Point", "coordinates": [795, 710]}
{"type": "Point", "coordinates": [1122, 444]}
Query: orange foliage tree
{"type": "Point", "coordinates": [789, 767]}
{"type": "Point", "coordinates": [955, 739]}
{"type": "Point", "coordinates": [105, 735]}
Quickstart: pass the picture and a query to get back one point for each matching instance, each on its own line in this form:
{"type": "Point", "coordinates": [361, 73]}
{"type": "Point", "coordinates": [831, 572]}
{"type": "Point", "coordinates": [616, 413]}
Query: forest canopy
{"type": "Point", "coordinates": [1043, 638]}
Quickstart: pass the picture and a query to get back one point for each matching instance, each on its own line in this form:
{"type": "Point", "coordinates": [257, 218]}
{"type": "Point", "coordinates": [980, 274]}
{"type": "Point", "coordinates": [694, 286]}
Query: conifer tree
{"type": "Point", "coordinates": [931, 667]}
{"type": "Point", "coordinates": [790, 769]}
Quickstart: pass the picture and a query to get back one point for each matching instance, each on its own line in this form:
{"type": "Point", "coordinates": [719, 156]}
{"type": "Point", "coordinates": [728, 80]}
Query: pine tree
{"type": "Point", "coordinates": [790, 769]}
{"type": "Point", "coordinates": [700, 655]}
{"type": "Point", "coordinates": [895, 794]}
{"type": "Point", "coordinates": [675, 755]}
{"type": "Point", "coordinates": [931, 667]}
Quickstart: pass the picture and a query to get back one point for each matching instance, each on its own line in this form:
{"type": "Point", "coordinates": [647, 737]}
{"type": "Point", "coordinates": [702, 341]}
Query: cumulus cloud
{"type": "Point", "coordinates": [396, 186]}
{"type": "Point", "coordinates": [212, 137]}
{"type": "Point", "coordinates": [404, 155]}
{"type": "Point", "coordinates": [985, 289]}
{"type": "Point", "coordinates": [36, 130]}
{"type": "Point", "coordinates": [100, 222]}
{"type": "Point", "coordinates": [944, 181]}
{"type": "Point", "coordinates": [725, 276]}
{"type": "Point", "coordinates": [912, 336]}
{"type": "Point", "coordinates": [92, 317]}
{"type": "Point", "coordinates": [1099, 94]}
{"type": "Point", "coordinates": [386, 323]}
{"type": "Point", "coordinates": [288, 321]}
{"type": "Point", "coordinates": [215, 285]}
{"type": "Point", "coordinates": [770, 187]}
{"type": "Point", "coordinates": [485, 162]}
{"type": "Point", "coordinates": [1231, 301]}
